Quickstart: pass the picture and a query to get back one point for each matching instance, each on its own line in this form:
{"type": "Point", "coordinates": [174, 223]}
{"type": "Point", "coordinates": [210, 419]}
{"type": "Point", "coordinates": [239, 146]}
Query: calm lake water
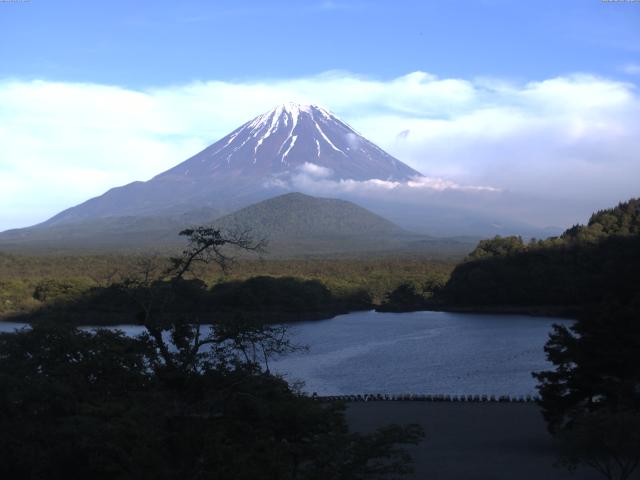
{"type": "Point", "coordinates": [417, 352]}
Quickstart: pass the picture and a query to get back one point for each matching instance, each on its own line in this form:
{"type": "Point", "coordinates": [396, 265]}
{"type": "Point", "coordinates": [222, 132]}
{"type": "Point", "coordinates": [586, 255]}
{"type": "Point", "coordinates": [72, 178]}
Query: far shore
{"type": "Point", "coordinates": [107, 319]}
{"type": "Point", "coordinates": [111, 319]}
{"type": "Point", "coordinates": [568, 312]}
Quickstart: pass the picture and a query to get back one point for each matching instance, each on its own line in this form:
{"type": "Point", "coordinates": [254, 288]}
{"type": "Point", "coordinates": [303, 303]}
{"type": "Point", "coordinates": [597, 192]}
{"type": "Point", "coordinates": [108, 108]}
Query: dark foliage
{"type": "Point", "coordinates": [621, 220]}
{"type": "Point", "coordinates": [591, 401]}
{"type": "Point", "coordinates": [585, 266]}
{"type": "Point", "coordinates": [404, 298]}
{"type": "Point", "coordinates": [77, 404]}
{"type": "Point", "coordinates": [498, 247]}
{"type": "Point", "coordinates": [272, 299]}
{"type": "Point", "coordinates": [347, 280]}
{"type": "Point", "coordinates": [284, 294]}
{"type": "Point", "coordinates": [597, 364]}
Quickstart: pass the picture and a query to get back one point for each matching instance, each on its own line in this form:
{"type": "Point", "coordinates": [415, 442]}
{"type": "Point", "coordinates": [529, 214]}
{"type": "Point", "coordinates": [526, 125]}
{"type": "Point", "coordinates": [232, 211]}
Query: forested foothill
{"type": "Point", "coordinates": [572, 273]}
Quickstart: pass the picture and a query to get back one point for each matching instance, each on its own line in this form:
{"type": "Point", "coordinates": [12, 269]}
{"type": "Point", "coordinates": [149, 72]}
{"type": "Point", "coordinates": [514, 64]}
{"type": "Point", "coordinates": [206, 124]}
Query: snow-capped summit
{"type": "Point", "coordinates": [258, 160]}
{"type": "Point", "coordinates": [283, 139]}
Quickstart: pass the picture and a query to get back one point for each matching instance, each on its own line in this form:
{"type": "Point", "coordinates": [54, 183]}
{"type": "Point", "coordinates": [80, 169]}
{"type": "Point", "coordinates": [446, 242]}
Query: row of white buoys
{"type": "Point", "coordinates": [373, 397]}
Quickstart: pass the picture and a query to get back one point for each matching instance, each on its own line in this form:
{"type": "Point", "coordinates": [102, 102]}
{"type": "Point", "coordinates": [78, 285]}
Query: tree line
{"type": "Point", "coordinates": [586, 265]}
{"type": "Point", "coordinates": [31, 283]}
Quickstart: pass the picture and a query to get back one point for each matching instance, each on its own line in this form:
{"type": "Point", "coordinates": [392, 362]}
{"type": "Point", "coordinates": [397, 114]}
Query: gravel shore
{"type": "Point", "coordinates": [472, 441]}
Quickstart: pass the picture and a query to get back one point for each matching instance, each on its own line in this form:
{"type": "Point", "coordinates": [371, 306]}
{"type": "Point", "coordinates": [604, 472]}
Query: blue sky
{"type": "Point", "coordinates": [537, 97]}
{"type": "Point", "coordinates": [143, 43]}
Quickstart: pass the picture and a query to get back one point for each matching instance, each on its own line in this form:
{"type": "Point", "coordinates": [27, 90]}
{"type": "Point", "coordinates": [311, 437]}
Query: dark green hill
{"type": "Point", "coordinates": [301, 225]}
{"type": "Point", "coordinates": [295, 215]}
{"type": "Point", "coordinates": [586, 265]}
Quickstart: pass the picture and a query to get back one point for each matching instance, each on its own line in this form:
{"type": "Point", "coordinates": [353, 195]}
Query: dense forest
{"type": "Point", "coordinates": [586, 265]}
{"type": "Point", "coordinates": [32, 286]}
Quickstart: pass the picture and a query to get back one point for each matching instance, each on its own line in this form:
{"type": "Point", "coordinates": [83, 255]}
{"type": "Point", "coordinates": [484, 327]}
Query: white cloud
{"type": "Point", "coordinates": [440, 184]}
{"type": "Point", "coordinates": [325, 186]}
{"type": "Point", "coordinates": [417, 183]}
{"type": "Point", "coordinates": [574, 137]}
{"type": "Point", "coordinates": [315, 178]}
{"type": "Point", "coordinates": [316, 171]}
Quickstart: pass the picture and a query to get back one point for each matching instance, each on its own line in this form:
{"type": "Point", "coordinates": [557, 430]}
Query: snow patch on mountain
{"type": "Point", "coordinates": [279, 141]}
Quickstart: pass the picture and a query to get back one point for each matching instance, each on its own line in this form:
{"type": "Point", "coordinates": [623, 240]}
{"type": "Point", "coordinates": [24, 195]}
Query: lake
{"type": "Point", "coordinates": [416, 352]}
{"type": "Point", "coordinates": [419, 352]}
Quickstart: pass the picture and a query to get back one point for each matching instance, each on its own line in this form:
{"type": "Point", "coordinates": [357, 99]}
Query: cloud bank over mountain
{"type": "Point", "coordinates": [314, 178]}
{"type": "Point", "coordinates": [563, 145]}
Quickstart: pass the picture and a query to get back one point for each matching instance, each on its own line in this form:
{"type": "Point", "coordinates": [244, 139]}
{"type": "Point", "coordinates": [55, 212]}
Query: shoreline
{"type": "Point", "coordinates": [107, 319]}
{"type": "Point", "coordinates": [112, 319]}
{"type": "Point", "coordinates": [566, 312]}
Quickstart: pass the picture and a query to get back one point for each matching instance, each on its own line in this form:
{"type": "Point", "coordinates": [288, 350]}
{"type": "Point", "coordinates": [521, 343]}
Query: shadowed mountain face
{"type": "Point", "coordinates": [250, 164]}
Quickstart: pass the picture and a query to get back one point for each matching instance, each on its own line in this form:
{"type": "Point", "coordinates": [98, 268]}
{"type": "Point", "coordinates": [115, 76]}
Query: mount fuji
{"type": "Point", "coordinates": [290, 148]}
{"type": "Point", "coordinates": [254, 162]}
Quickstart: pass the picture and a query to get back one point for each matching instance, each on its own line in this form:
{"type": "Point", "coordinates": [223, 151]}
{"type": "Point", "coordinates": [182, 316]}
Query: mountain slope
{"type": "Point", "coordinates": [251, 163]}
{"type": "Point", "coordinates": [130, 233]}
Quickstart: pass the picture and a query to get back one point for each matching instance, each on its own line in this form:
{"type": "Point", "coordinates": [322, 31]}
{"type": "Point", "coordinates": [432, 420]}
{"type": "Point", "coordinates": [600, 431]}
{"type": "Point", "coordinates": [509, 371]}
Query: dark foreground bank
{"type": "Point", "coordinates": [472, 441]}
